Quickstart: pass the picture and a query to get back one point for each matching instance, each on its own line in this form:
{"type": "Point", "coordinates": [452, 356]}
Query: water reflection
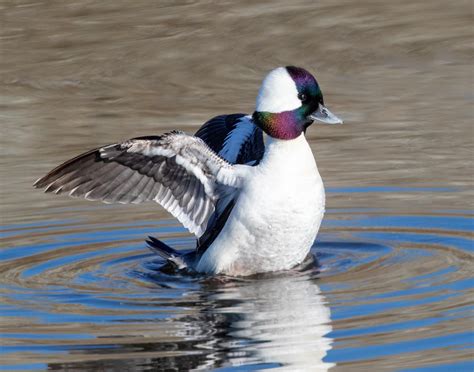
{"type": "Point", "coordinates": [87, 295]}
{"type": "Point", "coordinates": [279, 322]}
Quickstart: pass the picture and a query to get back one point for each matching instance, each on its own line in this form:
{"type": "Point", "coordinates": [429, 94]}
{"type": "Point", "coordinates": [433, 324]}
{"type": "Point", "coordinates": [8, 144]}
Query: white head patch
{"type": "Point", "coordinates": [278, 92]}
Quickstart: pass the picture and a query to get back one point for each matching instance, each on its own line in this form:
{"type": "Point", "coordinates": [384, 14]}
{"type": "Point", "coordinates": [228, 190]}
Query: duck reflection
{"type": "Point", "coordinates": [279, 322]}
{"type": "Point", "coordinates": [276, 321]}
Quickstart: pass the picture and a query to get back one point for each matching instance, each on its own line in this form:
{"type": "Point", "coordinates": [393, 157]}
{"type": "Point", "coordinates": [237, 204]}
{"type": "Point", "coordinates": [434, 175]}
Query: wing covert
{"type": "Point", "coordinates": [234, 137]}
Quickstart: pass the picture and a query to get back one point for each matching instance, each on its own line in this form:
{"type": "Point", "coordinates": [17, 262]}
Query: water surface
{"type": "Point", "coordinates": [393, 286]}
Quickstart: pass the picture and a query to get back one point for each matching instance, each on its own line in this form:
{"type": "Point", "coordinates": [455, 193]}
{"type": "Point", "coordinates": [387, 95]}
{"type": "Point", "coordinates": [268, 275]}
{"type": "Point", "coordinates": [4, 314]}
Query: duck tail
{"type": "Point", "coordinates": [165, 251]}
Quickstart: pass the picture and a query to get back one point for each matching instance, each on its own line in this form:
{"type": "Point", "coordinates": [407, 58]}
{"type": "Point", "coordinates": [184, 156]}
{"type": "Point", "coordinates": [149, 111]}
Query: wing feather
{"type": "Point", "coordinates": [178, 171]}
{"type": "Point", "coordinates": [234, 137]}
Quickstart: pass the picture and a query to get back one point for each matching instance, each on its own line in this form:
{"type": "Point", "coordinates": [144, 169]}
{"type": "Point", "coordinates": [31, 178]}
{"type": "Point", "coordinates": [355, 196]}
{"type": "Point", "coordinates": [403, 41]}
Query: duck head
{"type": "Point", "coordinates": [288, 102]}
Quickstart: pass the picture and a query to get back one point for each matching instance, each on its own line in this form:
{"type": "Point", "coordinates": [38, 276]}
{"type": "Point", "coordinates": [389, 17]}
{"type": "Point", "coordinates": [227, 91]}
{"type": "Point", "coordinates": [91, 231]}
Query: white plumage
{"type": "Point", "coordinates": [276, 217]}
{"type": "Point", "coordinates": [252, 207]}
{"type": "Point", "coordinates": [278, 92]}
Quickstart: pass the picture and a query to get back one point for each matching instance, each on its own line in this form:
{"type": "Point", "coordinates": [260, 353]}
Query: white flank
{"type": "Point", "coordinates": [277, 215]}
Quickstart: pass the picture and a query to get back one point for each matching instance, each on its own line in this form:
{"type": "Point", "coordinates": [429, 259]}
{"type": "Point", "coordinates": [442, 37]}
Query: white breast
{"type": "Point", "coordinates": [276, 217]}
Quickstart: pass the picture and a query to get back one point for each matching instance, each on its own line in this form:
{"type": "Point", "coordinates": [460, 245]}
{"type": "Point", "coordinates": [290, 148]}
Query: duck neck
{"type": "Point", "coordinates": [286, 125]}
{"type": "Point", "coordinates": [288, 155]}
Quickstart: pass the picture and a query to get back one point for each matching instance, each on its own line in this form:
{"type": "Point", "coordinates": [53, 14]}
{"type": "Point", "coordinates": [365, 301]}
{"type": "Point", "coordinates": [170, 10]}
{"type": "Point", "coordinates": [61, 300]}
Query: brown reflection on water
{"type": "Point", "coordinates": [75, 75]}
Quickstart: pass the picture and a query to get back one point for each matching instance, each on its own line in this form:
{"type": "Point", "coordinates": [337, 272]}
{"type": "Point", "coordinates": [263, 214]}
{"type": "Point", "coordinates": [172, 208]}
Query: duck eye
{"type": "Point", "coordinates": [302, 97]}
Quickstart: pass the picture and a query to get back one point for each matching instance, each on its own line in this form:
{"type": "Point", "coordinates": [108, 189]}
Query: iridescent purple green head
{"type": "Point", "coordinates": [288, 102]}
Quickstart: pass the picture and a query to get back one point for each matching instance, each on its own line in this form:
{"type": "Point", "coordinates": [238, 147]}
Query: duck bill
{"type": "Point", "coordinates": [325, 116]}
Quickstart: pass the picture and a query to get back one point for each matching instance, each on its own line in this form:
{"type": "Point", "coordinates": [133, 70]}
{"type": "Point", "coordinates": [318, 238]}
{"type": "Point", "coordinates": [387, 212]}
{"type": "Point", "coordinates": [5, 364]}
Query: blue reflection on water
{"type": "Point", "coordinates": [391, 327]}
{"type": "Point", "coordinates": [349, 311]}
{"type": "Point", "coordinates": [420, 222]}
{"type": "Point", "coordinates": [458, 285]}
{"type": "Point", "coordinates": [412, 346]}
{"type": "Point", "coordinates": [466, 366]}
{"type": "Point", "coordinates": [406, 238]}
{"type": "Point", "coordinates": [365, 244]}
{"type": "Point", "coordinates": [24, 367]}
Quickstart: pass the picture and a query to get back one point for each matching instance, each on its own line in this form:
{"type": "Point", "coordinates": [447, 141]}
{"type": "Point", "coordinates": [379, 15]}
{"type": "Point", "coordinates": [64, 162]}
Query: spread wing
{"type": "Point", "coordinates": [178, 171]}
{"type": "Point", "coordinates": [234, 137]}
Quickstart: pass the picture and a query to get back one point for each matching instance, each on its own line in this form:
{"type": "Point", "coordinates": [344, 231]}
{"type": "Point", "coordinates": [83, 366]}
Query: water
{"type": "Point", "coordinates": [393, 286]}
{"type": "Point", "coordinates": [390, 290]}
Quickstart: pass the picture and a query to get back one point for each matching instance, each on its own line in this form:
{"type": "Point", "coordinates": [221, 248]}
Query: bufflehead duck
{"type": "Point", "coordinates": [253, 207]}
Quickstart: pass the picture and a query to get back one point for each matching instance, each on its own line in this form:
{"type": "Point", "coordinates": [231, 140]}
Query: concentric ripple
{"type": "Point", "coordinates": [389, 288]}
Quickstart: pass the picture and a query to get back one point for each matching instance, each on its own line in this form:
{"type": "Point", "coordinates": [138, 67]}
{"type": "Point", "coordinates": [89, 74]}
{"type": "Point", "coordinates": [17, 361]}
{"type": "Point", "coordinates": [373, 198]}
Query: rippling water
{"type": "Point", "coordinates": [389, 290]}
{"type": "Point", "coordinates": [392, 289]}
